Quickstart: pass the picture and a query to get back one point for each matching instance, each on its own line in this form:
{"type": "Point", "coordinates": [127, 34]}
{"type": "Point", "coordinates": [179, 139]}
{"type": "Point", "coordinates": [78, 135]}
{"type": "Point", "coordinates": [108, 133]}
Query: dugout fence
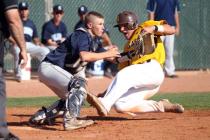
{"type": "Point", "coordinates": [192, 49]}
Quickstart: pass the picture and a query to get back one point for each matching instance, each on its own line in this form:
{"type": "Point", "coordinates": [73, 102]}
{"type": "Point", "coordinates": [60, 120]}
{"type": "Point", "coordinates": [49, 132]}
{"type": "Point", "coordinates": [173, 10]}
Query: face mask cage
{"type": "Point", "coordinates": [127, 26]}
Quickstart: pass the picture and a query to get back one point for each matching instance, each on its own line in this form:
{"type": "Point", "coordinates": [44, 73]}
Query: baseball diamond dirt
{"type": "Point", "coordinates": [192, 124]}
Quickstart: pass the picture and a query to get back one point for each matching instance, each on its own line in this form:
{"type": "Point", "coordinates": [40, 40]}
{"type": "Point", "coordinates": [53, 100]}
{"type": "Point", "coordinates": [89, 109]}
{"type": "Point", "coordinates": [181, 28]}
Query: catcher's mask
{"type": "Point", "coordinates": [127, 19]}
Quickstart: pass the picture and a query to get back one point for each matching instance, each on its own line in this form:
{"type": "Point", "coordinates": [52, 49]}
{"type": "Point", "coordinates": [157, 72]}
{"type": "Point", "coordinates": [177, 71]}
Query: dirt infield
{"type": "Point", "coordinates": [196, 81]}
{"type": "Point", "coordinates": [192, 124]}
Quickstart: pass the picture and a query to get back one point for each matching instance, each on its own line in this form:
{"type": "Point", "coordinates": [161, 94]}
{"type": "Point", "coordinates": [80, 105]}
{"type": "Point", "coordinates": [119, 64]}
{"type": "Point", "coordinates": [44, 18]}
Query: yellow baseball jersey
{"type": "Point", "coordinates": [158, 54]}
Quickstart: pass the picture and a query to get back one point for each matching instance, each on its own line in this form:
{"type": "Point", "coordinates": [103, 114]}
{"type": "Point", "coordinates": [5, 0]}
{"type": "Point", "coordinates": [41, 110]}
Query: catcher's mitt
{"type": "Point", "coordinates": [140, 44]}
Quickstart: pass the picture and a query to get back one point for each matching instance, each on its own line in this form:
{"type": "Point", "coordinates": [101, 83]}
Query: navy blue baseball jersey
{"type": "Point", "coordinates": [67, 56]}
{"type": "Point", "coordinates": [51, 31]}
{"type": "Point", "coordinates": [164, 10]}
{"type": "Point", "coordinates": [30, 31]}
{"type": "Point", "coordinates": [97, 41]}
{"type": "Point", "coordinates": [79, 24]}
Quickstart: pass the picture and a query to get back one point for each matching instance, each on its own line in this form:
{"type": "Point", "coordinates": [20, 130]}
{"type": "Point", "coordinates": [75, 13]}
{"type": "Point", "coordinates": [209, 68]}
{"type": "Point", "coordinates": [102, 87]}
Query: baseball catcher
{"type": "Point", "coordinates": [62, 70]}
{"type": "Point", "coordinates": [141, 73]}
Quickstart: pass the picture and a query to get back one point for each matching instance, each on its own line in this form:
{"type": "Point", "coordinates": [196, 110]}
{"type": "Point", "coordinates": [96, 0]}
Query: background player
{"type": "Point", "coordinates": [141, 73]}
{"type": "Point", "coordinates": [81, 11]}
{"type": "Point", "coordinates": [54, 31]}
{"type": "Point", "coordinates": [33, 44]}
{"type": "Point", "coordinates": [62, 71]}
{"type": "Point", "coordinates": [166, 10]}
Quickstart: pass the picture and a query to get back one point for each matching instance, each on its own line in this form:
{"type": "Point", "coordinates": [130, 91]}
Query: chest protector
{"type": "Point", "coordinates": [78, 65]}
{"type": "Point", "coordinates": [144, 47]}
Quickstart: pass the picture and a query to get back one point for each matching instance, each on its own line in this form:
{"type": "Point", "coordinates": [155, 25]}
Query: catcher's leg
{"type": "Point", "coordinates": [77, 94]}
{"type": "Point", "coordinates": [48, 115]}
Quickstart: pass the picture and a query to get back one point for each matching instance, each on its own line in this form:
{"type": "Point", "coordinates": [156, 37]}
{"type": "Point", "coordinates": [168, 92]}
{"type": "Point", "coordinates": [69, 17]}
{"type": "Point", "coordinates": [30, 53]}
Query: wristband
{"type": "Point", "coordinates": [160, 28]}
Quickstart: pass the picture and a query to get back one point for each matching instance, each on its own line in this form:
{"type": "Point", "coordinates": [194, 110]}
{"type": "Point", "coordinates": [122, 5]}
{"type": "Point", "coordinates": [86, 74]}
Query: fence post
{"type": "Point", "coordinates": [48, 9]}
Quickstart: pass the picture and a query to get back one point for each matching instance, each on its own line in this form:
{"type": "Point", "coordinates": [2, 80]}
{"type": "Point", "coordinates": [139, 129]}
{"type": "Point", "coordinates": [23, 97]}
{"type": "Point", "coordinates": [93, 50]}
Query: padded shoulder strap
{"type": "Point", "coordinates": [85, 31]}
{"type": "Point", "coordinates": [81, 29]}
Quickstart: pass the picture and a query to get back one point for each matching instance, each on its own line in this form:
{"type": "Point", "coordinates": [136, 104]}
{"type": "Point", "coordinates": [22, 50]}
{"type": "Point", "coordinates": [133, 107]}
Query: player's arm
{"type": "Point", "coordinates": [106, 39]}
{"type": "Point", "coordinates": [177, 28]}
{"type": "Point", "coordinates": [151, 15]}
{"type": "Point", "coordinates": [50, 42]}
{"type": "Point", "coordinates": [64, 33]}
{"type": "Point", "coordinates": [176, 17]}
{"type": "Point", "coordinates": [160, 29]}
{"type": "Point", "coordinates": [35, 37]}
{"type": "Point", "coordinates": [37, 41]}
{"type": "Point", "coordinates": [151, 9]}
{"type": "Point", "coordinates": [92, 56]}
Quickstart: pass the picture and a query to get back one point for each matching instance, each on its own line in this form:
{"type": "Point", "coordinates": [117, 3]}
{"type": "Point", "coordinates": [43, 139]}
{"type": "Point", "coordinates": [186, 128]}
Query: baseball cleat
{"type": "Point", "coordinates": [73, 124]}
{"type": "Point", "coordinates": [39, 118]}
{"type": "Point", "coordinates": [170, 107]}
{"type": "Point", "coordinates": [94, 101]}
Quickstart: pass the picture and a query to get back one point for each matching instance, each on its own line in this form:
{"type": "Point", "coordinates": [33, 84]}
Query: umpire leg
{"type": "Point", "coordinates": [3, 125]}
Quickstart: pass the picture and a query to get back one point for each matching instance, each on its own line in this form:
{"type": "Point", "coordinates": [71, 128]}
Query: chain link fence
{"type": "Point", "coordinates": [192, 47]}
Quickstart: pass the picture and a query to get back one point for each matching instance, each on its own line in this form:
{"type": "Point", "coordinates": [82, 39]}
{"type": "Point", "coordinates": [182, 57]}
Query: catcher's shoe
{"type": "Point", "coordinates": [94, 101]}
{"type": "Point", "coordinates": [170, 107]}
{"type": "Point", "coordinates": [73, 124]}
{"type": "Point", "coordinates": [40, 118]}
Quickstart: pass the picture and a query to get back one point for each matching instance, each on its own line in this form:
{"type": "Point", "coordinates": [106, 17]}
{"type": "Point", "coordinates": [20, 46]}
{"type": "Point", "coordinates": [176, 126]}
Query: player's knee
{"type": "Point", "coordinates": [45, 51]}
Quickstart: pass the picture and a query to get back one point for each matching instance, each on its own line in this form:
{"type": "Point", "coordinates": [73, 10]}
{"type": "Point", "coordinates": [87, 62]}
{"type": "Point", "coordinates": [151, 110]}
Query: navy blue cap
{"type": "Point", "coordinates": [82, 10]}
{"type": "Point", "coordinates": [23, 5]}
{"type": "Point", "coordinates": [58, 8]}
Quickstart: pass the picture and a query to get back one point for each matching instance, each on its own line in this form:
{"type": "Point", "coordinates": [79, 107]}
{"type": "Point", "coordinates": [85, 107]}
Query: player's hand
{"type": "Point", "coordinates": [112, 46]}
{"type": "Point", "coordinates": [23, 58]}
{"type": "Point", "coordinates": [113, 52]}
{"type": "Point", "coordinates": [177, 32]}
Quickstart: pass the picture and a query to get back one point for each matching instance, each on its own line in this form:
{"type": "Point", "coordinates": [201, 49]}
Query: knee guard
{"type": "Point", "coordinates": [48, 115]}
{"type": "Point", "coordinates": [77, 94]}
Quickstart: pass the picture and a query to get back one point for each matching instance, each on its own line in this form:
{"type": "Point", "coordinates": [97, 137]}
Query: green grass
{"type": "Point", "coordinates": [188, 100]}
{"type": "Point", "coordinates": [30, 102]}
{"type": "Point", "coordinates": [33, 102]}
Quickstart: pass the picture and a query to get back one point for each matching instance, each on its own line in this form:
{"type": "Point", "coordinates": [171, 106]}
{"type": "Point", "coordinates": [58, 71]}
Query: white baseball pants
{"type": "Point", "coordinates": [169, 65]}
{"type": "Point", "coordinates": [133, 86]}
{"type": "Point", "coordinates": [34, 50]}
